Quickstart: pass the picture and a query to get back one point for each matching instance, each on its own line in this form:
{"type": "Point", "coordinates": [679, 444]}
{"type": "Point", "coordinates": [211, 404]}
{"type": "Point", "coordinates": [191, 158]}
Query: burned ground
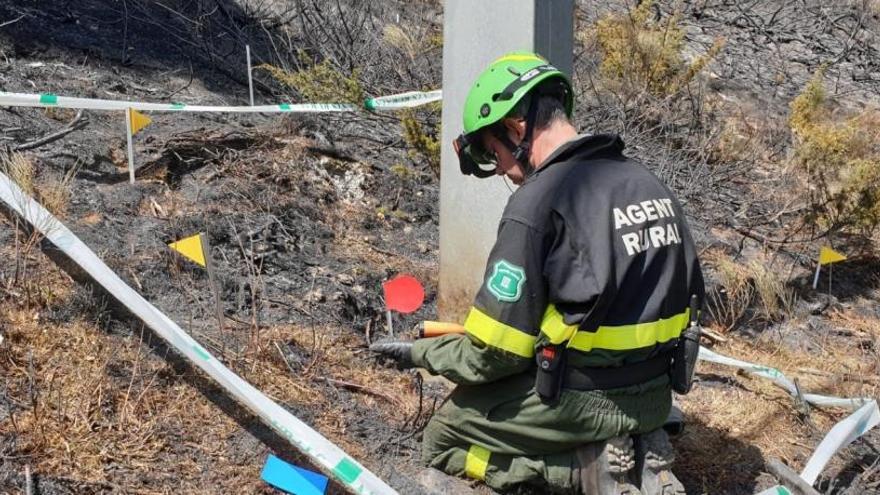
{"type": "Point", "coordinates": [307, 215]}
{"type": "Point", "coordinates": [303, 231]}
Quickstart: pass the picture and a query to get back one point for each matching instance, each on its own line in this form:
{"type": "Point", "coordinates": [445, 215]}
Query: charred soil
{"type": "Point", "coordinates": [306, 216]}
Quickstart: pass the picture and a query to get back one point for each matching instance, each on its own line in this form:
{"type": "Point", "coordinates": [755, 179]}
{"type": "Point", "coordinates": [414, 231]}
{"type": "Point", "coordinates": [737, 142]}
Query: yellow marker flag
{"type": "Point", "coordinates": [191, 247]}
{"type": "Point", "coordinates": [138, 121]}
{"type": "Point", "coordinates": [828, 255]}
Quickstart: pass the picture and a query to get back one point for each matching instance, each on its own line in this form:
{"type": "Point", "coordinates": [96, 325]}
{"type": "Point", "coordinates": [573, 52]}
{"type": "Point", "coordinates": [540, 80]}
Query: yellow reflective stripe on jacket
{"type": "Point", "coordinates": [554, 326]}
{"type": "Point", "coordinates": [476, 462]}
{"type": "Point", "coordinates": [496, 334]}
{"type": "Point", "coordinates": [635, 336]}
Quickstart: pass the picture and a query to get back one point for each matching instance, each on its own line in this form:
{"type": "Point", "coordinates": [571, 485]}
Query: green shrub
{"type": "Point", "coordinates": [641, 54]}
{"type": "Point", "coordinates": [321, 83]}
{"type": "Point", "coordinates": [840, 159]}
{"type": "Point", "coordinates": [402, 171]}
{"type": "Point", "coordinates": [421, 139]}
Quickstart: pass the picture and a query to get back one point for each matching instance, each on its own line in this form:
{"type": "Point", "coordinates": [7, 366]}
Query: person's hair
{"type": "Point", "coordinates": [551, 106]}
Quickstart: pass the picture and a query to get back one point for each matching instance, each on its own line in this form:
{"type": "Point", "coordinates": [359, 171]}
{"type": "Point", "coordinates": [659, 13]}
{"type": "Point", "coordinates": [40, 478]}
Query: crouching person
{"type": "Point", "coordinates": [563, 374]}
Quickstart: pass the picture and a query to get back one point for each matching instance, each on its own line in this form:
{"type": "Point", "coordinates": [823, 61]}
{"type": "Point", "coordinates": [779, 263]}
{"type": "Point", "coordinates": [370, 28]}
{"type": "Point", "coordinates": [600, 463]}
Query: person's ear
{"type": "Point", "coordinates": [515, 126]}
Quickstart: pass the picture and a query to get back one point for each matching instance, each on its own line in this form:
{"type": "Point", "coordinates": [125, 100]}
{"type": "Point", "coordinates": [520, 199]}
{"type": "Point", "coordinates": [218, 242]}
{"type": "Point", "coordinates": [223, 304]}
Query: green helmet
{"type": "Point", "coordinates": [496, 92]}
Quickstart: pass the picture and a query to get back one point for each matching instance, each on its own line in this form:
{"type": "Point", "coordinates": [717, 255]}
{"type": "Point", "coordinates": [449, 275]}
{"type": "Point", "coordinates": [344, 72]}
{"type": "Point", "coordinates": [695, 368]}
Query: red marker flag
{"type": "Point", "coordinates": [403, 293]}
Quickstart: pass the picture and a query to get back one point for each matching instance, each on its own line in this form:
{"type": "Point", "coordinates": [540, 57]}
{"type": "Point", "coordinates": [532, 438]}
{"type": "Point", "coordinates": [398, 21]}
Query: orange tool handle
{"type": "Point", "coordinates": [429, 328]}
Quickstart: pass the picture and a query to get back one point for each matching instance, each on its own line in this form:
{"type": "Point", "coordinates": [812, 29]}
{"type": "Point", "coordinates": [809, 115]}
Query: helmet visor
{"type": "Point", "coordinates": [473, 158]}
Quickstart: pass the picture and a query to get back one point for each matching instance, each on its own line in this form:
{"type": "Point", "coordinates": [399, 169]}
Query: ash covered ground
{"type": "Point", "coordinates": [306, 216]}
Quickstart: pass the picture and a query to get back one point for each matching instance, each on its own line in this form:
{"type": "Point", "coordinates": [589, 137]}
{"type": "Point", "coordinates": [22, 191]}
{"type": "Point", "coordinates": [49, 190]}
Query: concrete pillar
{"type": "Point", "coordinates": [475, 33]}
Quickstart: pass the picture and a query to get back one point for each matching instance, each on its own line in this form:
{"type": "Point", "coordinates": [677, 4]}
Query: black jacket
{"type": "Point", "coordinates": [593, 252]}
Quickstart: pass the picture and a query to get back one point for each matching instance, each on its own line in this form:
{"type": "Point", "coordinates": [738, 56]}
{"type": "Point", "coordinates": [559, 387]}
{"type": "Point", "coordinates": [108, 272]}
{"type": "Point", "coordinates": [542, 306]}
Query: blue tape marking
{"type": "Point", "coordinates": [293, 479]}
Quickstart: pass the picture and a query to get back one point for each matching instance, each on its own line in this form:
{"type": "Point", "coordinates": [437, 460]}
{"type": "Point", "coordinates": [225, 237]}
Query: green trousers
{"type": "Point", "coordinates": [503, 434]}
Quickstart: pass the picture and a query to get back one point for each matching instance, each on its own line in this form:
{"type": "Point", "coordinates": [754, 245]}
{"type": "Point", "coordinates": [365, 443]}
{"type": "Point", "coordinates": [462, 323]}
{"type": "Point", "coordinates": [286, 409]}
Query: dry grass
{"type": "Point", "coordinates": [738, 137]}
{"type": "Point", "coordinates": [775, 300]}
{"type": "Point", "coordinates": [401, 39]}
{"type": "Point", "coordinates": [334, 356]}
{"type": "Point", "coordinates": [77, 421]}
{"type": "Point", "coordinates": [102, 408]}
{"type": "Point", "coordinates": [751, 419]}
{"type": "Point", "coordinates": [845, 364]}
{"type": "Point", "coordinates": [856, 322]}
{"type": "Point", "coordinates": [19, 169]}
{"type": "Point", "coordinates": [731, 297]}
{"type": "Point", "coordinates": [746, 292]}
{"type": "Point", "coordinates": [53, 193]}
{"type": "Point", "coordinates": [98, 408]}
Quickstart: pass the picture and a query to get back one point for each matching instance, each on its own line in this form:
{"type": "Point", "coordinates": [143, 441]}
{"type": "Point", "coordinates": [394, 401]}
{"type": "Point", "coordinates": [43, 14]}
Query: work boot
{"type": "Point", "coordinates": [604, 467]}
{"type": "Point", "coordinates": [654, 455]}
{"type": "Point", "coordinates": [674, 424]}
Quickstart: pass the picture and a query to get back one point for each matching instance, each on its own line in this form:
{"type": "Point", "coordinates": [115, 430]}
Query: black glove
{"type": "Point", "coordinates": [400, 351]}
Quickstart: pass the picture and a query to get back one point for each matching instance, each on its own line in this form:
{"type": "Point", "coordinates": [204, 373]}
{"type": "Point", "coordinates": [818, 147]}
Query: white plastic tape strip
{"type": "Point", "coordinates": [323, 452]}
{"type": "Point", "coordinates": [776, 490]}
{"type": "Point", "coordinates": [845, 403]}
{"type": "Point", "coordinates": [843, 434]}
{"type": "Point", "coordinates": [778, 378]}
{"type": "Point", "coordinates": [403, 100]}
{"type": "Point", "coordinates": [772, 373]}
{"type": "Point", "coordinates": [392, 102]}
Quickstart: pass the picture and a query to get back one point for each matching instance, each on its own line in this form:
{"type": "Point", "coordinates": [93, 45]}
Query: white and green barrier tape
{"type": "Point", "coordinates": [330, 458]}
{"type": "Point", "coordinates": [775, 490]}
{"type": "Point", "coordinates": [391, 102]}
{"type": "Point", "coordinates": [841, 435]}
{"type": "Point", "coordinates": [403, 100]}
{"type": "Point", "coordinates": [779, 379]}
{"type": "Point", "coordinates": [865, 417]}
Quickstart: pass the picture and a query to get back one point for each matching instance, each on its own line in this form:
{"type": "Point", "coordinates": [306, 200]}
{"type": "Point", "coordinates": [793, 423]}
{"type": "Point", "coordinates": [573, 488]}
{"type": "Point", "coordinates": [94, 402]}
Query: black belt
{"type": "Point", "coordinates": [622, 376]}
